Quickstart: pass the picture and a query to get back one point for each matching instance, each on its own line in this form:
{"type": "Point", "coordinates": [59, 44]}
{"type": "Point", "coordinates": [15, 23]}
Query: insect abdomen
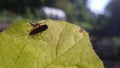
{"type": "Point", "coordinates": [39, 29]}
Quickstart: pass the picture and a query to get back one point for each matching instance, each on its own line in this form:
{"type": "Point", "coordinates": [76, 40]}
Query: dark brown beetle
{"type": "Point", "coordinates": [37, 28]}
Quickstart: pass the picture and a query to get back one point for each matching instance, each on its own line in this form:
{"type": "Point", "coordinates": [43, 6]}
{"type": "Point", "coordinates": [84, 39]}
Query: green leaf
{"type": "Point", "coordinates": [62, 45]}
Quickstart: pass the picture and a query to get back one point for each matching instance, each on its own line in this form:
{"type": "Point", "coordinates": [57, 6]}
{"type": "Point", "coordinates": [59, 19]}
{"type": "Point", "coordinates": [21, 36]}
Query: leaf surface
{"type": "Point", "coordinates": [62, 45]}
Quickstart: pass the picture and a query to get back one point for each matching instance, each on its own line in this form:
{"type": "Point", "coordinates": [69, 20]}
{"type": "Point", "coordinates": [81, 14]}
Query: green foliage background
{"type": "Point", "coordinates": [75, 9]}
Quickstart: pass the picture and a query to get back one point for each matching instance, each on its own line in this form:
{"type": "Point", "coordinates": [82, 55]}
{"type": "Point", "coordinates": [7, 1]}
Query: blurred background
{"type": "Point", "coordinates": [101, 18]}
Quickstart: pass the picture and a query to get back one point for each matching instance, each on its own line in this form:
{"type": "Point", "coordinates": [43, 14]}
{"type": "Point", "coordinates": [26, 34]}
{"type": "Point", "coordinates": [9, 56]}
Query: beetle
{"type": "Point", "coordinates": [37, 28]}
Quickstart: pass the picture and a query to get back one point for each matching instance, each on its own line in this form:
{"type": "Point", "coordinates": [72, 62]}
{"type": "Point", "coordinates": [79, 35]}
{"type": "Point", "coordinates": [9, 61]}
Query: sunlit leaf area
{"type": "Point", "coordinates": [61, 45]}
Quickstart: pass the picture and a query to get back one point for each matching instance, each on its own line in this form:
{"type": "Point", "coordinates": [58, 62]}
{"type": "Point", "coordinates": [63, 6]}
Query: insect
{"type": "Point", "coordinates": [37, 28]}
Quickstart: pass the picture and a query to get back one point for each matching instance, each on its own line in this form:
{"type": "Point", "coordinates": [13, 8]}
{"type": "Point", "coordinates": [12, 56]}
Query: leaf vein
{"type": "Point", "coordinates": [63, 53]}
{"type": "Point", "coordinates": [59, 40]}
{"type": "Point", "coordinates": [21, 52]}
